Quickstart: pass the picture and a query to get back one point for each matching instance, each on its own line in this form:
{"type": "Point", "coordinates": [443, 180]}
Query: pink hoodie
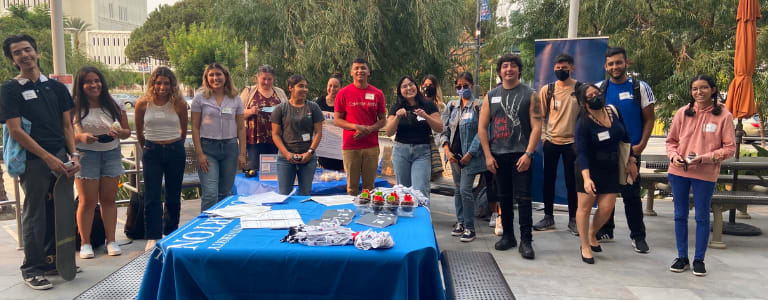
{"type": "Point", "coordinates": [711, 137]}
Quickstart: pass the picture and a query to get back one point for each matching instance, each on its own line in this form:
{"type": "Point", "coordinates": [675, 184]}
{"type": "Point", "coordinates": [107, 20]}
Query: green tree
{"type": "Point", "coordinates": [147, 41]}
{"type": "Point", "coordinates": [77, 27]}
{"type": "Point", "coordinates": [318, 38]}
{"type": "Point", "coordinates": [191, 50]}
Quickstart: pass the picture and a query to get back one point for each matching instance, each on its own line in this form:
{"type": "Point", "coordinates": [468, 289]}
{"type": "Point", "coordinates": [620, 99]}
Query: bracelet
{"type": "Point", "coordinates": [73, 154]}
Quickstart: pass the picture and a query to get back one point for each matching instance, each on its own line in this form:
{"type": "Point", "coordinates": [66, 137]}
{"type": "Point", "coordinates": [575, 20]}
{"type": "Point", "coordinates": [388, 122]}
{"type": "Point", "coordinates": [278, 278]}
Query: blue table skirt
{"type": "Point", "coordinates": [248, 186]}
{"type": "Point", "coordinates": [213, 258]}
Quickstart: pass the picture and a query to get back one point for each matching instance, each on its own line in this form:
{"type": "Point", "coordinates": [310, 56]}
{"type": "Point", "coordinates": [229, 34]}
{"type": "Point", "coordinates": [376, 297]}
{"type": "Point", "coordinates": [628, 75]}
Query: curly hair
{"type": "Point", "coordinates": [175, 94]}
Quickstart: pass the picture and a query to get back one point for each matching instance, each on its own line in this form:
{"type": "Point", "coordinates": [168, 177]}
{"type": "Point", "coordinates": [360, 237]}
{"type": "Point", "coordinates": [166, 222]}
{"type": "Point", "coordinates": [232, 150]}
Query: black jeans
{"type": "Point", "coordinates": [38, 218]}
{"type": "Point", "coordinates": [633, 209]}
{"type": "Point", "coordinates": [162, 160]}
{"type": "Point", "coordinates": [490, 186]}
{"type": "Point", "coordinates": [513, 185]}
{"type": "Point", "coordinates": [552, 153]}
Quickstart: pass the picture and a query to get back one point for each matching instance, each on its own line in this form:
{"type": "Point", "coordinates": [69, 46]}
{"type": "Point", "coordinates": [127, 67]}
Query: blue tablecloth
{"type": "Point", "coordinates": [213, 258]}
{"type": "Point", "coordinates": [249, 186]}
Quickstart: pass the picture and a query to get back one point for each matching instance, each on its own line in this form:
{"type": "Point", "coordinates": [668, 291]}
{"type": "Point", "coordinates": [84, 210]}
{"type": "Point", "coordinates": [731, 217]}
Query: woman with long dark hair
{"type": "Point", "coordinates": [412, 119]}
{"type": "Point", "coordinates": [100, 122]}
{"type": "Point", "coordinates": [218, 132]}
{"type": "Point", "coordinates": [599, 131]}
{"type": "Point", "coordinates": [701, 136]}
{"type": "Point", "coordinates": [161, 128]}
{"type": "Point", "coordinates": [461, 146]}
{"type": "Point", "coordinates": [297, 127]}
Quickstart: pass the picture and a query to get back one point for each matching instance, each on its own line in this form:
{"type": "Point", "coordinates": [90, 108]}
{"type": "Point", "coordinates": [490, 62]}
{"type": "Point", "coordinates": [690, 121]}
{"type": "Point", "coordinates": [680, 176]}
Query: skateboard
{"type": "Point", "coordinates": [64, 208]}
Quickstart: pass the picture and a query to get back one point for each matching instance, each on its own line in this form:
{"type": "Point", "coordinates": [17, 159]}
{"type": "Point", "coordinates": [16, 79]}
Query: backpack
{"type": "Point", "coordinates": [134, 221]}
{"type": "Point", "coordinates": [98, 236]}
{"type": "Point", "coordinates": [551, 94]}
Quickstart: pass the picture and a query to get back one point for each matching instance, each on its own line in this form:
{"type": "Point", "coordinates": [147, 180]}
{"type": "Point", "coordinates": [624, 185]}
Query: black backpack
{"type": "Point", "coordinates": [134, 221]}
{"type": "Point", "coordinates": [551, 94]}
{"type": "Point", "coordinates": [98, 236]}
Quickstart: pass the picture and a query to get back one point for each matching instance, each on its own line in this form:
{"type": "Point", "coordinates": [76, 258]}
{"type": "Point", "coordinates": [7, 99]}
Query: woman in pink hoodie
{"type": "Point", "coordinates": [701, 136]}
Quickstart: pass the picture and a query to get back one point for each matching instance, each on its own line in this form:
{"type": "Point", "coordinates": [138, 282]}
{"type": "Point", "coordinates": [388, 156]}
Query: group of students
{"type": "Point", "coordinates": [586, 124]}
{"type": "Point", "coordinates": [600, 130]}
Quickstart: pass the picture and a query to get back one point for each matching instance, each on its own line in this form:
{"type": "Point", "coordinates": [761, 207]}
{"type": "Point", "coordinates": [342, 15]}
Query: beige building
{"type": "Point", "coordinates": [110, 23]}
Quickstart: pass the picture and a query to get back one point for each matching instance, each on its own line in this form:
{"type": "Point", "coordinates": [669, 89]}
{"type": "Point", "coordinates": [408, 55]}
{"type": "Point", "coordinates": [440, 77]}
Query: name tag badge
{"type": "Point", "coordinates": [419, 118]}
{"type": "Point", "coordinates": [496, 99]}
{"type": "Point", "coordinates": [226, 110]}
{"type": "Point", "coordinates": [625, 96]}
{"type": "Point", "coordinates": [710, 127]}
{"type": "Point", "coordinates": [466, 116]}
{"type": "Point", "coordinates": [29, 95]}
{"type": "Point", "coordinates": [158, 115]}
{"type": "Point", "coordinates": [369, 96]}
{"type": "Point", "coordinates": [602, 136]}
{"type": "Point", "coordinates": [305, 137]}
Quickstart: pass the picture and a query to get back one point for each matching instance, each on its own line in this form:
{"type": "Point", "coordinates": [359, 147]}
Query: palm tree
{"type": "Point", "coordinates": [77, 26]}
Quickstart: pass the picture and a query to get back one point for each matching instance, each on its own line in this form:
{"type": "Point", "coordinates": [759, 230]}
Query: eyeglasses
{"type": "Point", "coordinates": [466, 86]}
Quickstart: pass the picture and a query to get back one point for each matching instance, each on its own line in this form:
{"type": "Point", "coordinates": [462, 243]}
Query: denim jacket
{"type": "Point", "coordinates": [468, 118]}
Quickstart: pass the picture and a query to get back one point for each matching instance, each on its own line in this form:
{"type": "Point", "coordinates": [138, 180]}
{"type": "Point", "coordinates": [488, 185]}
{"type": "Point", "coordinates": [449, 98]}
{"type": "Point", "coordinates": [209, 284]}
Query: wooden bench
{"type": "Point", "coordinates": [473, 275]}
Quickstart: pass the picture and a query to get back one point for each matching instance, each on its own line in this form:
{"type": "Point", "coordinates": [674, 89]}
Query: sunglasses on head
{"type": "Point", "coordinates": [466, 86]}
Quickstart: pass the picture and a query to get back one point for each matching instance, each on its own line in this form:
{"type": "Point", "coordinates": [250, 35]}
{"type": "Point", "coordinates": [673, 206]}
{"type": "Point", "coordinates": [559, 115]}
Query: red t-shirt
{"type": "Point", "coordinates": [361, 107]}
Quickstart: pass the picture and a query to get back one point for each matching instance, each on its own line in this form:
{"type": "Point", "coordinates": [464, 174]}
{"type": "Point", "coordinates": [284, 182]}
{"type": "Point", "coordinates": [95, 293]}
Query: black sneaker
{"type": "Point", "coordinates": [603, 236]}
{"type": "Point", "coordinates": [467, 236]}
{"type": "Point", "coordinates": [548, 222]}
{"type": "Point", "coordinates": [698, 268]}
{"type": "Point", "coordinates": [38, 282]}
{"type": "Point", "coordinates": [458, 229]}
{"type": "Point", "coordinates": [572, 227]}
{"type": "Point", "coordinates": [526, 250]}
{"type": "Point", "coordinates": [640, 246]}
{"type": "Point", "coordinates": [505, 243]}
{"type": "Point", "coordinates": [681, 264]}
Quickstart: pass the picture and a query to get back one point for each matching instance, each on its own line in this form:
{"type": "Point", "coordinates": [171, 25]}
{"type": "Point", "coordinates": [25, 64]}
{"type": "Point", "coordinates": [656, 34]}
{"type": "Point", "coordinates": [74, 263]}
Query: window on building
{"type": "Point", "coordinates": [94, 41]}
{"type": "Point", "coordinates": [111, 11]}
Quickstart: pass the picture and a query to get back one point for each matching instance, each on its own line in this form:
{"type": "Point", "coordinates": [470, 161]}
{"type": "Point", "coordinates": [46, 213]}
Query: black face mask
{"type": "Point", "coordinates": [562, 75]}
{"type": "Point", "coordinates": [596, 102]}
{"type": "Point", "coordinates": [430, 91]}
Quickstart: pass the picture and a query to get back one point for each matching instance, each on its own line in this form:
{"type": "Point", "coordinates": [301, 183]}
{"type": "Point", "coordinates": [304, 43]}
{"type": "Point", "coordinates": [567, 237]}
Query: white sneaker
{"type": "Point", "coordinates": [492, 223]}
{"type": "Point", "coordinates": [113, 249]}
{"type": "Point", "coordinates": [150, 245]}
{"type": "Point", "coordinates": [86, 251]}
{"type": "Point", "coordinates": [499, 230]}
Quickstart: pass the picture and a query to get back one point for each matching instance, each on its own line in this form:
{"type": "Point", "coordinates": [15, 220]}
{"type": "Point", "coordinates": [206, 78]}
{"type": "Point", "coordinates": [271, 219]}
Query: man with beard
{"type": "Point", "coordinates": [634, 99]}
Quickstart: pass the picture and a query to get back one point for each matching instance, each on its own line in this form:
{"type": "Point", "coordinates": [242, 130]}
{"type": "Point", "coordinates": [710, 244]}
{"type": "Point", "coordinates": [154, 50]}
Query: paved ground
{"type": "Point", "coordinates": [739, 272]}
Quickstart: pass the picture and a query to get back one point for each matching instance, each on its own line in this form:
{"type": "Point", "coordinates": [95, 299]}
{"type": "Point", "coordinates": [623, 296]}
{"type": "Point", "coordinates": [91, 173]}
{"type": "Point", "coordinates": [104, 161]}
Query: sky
{"type": "Point", "coordinates": [152, 4]}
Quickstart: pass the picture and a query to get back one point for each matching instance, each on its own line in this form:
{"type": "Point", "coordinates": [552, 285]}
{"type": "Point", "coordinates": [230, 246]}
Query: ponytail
{"type": "Point", "coordinates": [690, 112]}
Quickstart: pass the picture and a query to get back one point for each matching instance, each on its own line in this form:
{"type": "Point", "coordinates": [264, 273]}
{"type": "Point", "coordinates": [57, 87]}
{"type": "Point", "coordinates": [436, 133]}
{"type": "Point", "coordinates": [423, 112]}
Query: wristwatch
{"type": "Point", "coordinates": [311, 151]}
{"type": "Point", "coordinates": [73, 154]}
{"type": "Point", "coordinates": [530, 154]}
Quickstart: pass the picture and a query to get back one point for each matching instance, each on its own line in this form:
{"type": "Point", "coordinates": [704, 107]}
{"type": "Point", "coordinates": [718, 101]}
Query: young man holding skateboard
{"type": "Point", "coordinates": [36, 111]}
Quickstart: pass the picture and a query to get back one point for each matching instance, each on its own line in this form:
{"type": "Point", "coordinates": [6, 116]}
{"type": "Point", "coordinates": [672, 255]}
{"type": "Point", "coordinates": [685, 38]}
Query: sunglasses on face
{"type": "Point", "coordinates": [466, 86]}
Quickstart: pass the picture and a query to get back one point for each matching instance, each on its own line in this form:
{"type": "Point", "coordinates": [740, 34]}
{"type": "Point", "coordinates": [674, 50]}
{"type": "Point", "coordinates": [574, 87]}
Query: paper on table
{"type": "Point", "coordinates": [264, 198]}
{"type": "Point", "coordinates": [275, 219]}
{"type": "Point", "coordinates": [238, 210]}
{"type": "Point", "coordinates": [333, 200]}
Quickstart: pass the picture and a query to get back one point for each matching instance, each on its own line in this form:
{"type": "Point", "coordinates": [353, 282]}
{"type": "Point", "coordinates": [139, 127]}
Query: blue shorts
{"type": "Point", "coordinates": [97, 164]}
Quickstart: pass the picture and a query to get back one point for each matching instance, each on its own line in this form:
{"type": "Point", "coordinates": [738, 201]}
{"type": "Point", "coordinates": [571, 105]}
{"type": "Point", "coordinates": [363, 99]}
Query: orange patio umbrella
{"type": "Point", "coordinates": [741, 93]}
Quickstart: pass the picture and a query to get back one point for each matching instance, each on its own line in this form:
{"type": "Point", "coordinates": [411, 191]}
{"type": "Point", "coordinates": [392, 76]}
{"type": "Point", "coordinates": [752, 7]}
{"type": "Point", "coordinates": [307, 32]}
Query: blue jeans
{"type": "Point", "coordinates": [287, 173]}
{"type": "Point", "coordinates": [162, 160]}
{"type": "Point", "coordinates": [222, 166]}
{"type": "Point", "coordinates": [464, 201]}
{"type": "Point", "coordinates": [413, 166]}
{"type": "Point", "coordinates": [702, 202]}
{"type": "Point", "coordinates": [254, 150]}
